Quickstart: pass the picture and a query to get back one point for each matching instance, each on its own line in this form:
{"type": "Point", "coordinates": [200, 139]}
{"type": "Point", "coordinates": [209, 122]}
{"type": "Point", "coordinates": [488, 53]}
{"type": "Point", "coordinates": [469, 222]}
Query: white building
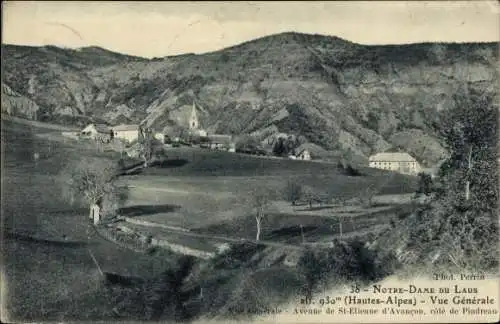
{"type": "Point", "coordinates": [159, 136]}
{"type": "Point", "coordinates": [303, 155]}
{"type": "Point", "coordinates": [129, 133]}
{"type": "Point", "coordinates": [96, 132]}
{"type": "Point", "coordinates": [199, 132]}
{"type": "Point", "coordinates": [220, 142]}
{"type": "Point", "coordinates": [398, 161]}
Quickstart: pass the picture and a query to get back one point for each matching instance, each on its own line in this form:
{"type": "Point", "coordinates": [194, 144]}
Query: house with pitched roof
{"type": "Point", "coordinates": [303, 154]}
{"type": "Point", "coordinates": [220, 142]}
{"type": "Point", "coordinates": [129, 133]}
{"type": "Point", "coordinates": [97, 132]}
{"type": "Point", "coordinates": [401, 162]}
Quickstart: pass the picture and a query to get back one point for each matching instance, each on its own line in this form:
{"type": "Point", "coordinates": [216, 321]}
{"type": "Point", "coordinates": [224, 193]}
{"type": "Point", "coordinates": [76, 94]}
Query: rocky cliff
{"type": "Point", "coordinates": [15, 104]}
{"type": "Point", "coordinates": [335, 93]}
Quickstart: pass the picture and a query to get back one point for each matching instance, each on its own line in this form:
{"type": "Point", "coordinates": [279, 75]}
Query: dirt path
{"type": "Point", "coordinates": [180, 191]}
{"type": "Point", "coordinates": [169, 190]}
{"type": "Point", "coordinates": [163, 232]}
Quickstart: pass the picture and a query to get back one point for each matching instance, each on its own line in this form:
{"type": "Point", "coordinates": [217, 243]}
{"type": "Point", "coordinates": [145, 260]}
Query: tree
{"type": "Point", "coordinates": [311, 268]}
{"type": "Point", "coordinates": [281, 147]}
{"type": "Point", "coordinates": [366, 196]}
{"type": "Point", "coordinates": [293, 191]}
{"type": "Point", "coordinates": [93, 181]}
{"type": "Point", "coordinates": [470, 132]}
{"type": "Point", "coordinates": [461, 223]}
{"type": "Point", "coordinates": [146, 144]}
{"type": "Point", "coordinates": [346, 158]}
{"type": "Point", "coordinates": [259, 200]}
{"type": "Point", "coordinates": [149, 146]}
{"type": "Point", "coordinates": [425, 185]}
{"type": "Point", "coordinates": [247, 142]}
{"type": "Point", "coordinates": [310, 196]}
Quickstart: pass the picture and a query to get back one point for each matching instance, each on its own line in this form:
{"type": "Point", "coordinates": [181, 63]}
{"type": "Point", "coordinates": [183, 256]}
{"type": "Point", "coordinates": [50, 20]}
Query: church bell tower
{"type": "Point", "coordinates": [193, 120]}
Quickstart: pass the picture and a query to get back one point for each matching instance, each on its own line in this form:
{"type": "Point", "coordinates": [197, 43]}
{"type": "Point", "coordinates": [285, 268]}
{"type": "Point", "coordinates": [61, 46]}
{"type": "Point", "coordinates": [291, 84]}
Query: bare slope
{"type": "Point", "coordinates": [336, 93]}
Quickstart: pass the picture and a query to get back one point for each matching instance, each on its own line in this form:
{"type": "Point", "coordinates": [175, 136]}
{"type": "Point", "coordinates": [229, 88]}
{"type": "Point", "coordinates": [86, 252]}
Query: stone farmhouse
{"type": "Point", "coordinates": [128, 133]}
{"type": "Point", "coordinates": [401, 162]}
{"type": "Point", "coordinates": [99, 132]}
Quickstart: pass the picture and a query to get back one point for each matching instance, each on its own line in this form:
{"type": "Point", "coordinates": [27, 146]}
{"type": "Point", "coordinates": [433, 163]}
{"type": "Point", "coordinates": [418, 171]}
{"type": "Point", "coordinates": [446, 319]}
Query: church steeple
{"type": "Point", "coordinates": [193, 120]}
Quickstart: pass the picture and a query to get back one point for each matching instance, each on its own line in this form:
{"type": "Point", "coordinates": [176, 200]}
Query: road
{"type": "Point", "coordinates": [164, 231]}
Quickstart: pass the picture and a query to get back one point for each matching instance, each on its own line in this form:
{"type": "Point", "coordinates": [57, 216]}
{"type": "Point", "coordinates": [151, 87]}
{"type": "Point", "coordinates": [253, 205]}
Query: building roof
{"type": "Point", "coordinates": [100, 128]}
{"type": "Point", "coordinates": [313, 149]}
{"type": "Point", "coordinates": [392, 157]}
{"type": "Point", "coordinates": [303, 151]}
{"type": "Point", "coordinates": [219, 138]}
{"type": "Point", "coordinates": [124, 127]}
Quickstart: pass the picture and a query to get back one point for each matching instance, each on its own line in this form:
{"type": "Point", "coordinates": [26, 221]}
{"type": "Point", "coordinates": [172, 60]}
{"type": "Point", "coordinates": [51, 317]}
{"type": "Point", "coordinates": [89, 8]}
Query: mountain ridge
{"type": "Point", "coordinates": [338, 94]}
{"type": "Point", "coordinates": [282, 34]}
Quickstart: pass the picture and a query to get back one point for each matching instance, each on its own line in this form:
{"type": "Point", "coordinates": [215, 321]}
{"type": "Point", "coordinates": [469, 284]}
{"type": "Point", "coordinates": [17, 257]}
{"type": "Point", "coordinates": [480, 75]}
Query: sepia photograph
{"type": "Point", "coordinates": [258, 161]}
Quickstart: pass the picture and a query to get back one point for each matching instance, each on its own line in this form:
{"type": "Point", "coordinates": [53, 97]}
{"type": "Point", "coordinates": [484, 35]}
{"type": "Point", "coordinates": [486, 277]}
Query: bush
{"type": "Point", "coordinates": [352, 172]}
{"type": "Point", "coordinates": [425, 184]}
{"type": "Point", "coordinates": [293, 191]}
{"type": "Point", "coordinates": [345, 261]}
{"type": "Point", "coordinates": [247, 143]}
{"type": "Point", "coordinates": [236, 256]}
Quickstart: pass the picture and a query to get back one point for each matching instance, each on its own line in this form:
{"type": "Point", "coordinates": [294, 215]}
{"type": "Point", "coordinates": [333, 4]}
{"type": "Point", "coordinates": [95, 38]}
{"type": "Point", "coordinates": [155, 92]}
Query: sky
{"type": "Point", "coordinates": [156, 29]}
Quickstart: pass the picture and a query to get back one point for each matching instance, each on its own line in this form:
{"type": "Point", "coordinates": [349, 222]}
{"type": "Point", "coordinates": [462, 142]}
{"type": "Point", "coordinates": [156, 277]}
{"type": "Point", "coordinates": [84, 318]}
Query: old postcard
{"type": "Point", "coordinates": [275, 162]}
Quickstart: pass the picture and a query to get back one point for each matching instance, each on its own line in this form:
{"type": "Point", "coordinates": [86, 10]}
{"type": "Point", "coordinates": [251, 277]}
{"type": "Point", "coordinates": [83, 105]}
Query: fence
{"type": "Point", "coordinates": [137, 242]}
{"type": "Point", "coordinates": [151, 224]}
{"type": "Point", "coordinates": [125, 240]}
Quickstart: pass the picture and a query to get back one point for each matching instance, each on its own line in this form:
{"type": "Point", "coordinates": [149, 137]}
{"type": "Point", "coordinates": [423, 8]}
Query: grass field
{"type": "Point", "coordinates": [44, 276]}
{"type": "Point", "coordinates": [188, 161]}
{"type": "Point", "coordinates": [201, 201]}
{"type": "Point", "coordinates": [50, 274]}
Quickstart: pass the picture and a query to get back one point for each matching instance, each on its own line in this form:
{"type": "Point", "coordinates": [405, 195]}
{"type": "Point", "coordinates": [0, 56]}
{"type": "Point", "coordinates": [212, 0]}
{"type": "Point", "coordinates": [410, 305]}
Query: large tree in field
{"type": "Point", "coordinates": [149, 146]}
{"type": "Point", "coordinates": [93, 181]}
{"type": "Point", "coordinates": [259, 200]}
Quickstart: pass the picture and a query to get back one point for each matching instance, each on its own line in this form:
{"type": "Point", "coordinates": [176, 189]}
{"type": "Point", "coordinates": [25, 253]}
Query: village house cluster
{"type": "Point", "coordinates": [185, 129]}
{"type": "Point", "coordinates": [105, 133]}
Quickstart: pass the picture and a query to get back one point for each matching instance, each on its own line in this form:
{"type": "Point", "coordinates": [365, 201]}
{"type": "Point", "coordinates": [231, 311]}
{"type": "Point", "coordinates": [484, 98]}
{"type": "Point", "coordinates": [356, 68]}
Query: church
{"type": "Point", "coordinates": [194, 123]}
{"type": "Point", "coordinates": [183, 121]}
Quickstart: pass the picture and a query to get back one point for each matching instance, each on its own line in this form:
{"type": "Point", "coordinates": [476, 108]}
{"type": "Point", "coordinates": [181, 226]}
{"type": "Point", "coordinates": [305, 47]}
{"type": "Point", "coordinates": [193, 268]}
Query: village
{"type": "Point", "coordinates": [186, 131]}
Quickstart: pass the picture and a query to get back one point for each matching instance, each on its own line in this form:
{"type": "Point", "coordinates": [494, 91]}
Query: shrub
{"type": "Point", "coordinates": [350, 171]}
{"type": "Point", "coordinates": [293, 191]}
{"type": "Point", "coordinates": [425, 184]}
{"type": "Point", "coordinates": [345, 261]}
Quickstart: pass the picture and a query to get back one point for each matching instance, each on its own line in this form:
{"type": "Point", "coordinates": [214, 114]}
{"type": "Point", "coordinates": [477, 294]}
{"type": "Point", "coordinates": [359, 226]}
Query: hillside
{"type": "Point", "coordinates": [335, 93]}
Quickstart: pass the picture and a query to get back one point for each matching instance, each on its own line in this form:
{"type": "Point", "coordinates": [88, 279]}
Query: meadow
{"type": "Point", "coordinates": [49, 273]}
{"type": "Point", "coordinates": [211, 192]}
